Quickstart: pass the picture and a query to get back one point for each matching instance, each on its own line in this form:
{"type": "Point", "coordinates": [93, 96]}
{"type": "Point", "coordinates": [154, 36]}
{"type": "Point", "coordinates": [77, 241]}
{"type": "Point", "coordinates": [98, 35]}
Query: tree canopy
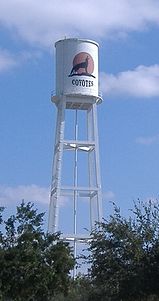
{"type": "Point", "coordinates": [34, 265]}
{"type": "Point", "coordinates": [124, 256]}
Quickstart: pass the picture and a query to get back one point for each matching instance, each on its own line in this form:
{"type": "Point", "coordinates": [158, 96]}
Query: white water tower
{"type": "Point", "coordinates": [77, 95]}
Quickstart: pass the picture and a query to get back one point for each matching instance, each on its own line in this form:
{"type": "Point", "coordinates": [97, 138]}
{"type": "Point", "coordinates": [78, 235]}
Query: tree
{"type": "Point", "coordinates": [80, 290]}
{"type": "Point", "coordinates": [34, 265]}
{"type": "Point", "coordinates": [125, 256]}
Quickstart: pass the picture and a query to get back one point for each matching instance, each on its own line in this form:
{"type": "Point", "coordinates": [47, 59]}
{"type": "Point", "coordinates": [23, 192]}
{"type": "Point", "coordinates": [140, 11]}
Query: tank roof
{"type": "Point", "coordinates": [77, 40]}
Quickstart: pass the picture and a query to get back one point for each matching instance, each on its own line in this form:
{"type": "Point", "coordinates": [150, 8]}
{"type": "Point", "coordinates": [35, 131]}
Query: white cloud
{"type": "Point", "coordinates": [143, 81]}
{"type": "Point", "coordinates": [148, 140]}
{"type": "Point", "coordinates": [9, 60]}
{"type": "Point", "coordinates": [109, 196]}
{"type": "Point", "coordinates": [32, 193]}
{"type": "Point", "coordinates": [44, 22]}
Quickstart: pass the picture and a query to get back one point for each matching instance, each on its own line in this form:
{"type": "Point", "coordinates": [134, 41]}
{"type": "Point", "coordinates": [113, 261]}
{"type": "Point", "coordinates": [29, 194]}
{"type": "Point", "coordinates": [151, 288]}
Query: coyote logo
{"type": "Point", "coordinates": [83, 64]}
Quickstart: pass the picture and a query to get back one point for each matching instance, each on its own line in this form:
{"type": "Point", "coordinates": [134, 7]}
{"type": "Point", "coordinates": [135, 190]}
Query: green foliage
{"type": "Point", "coordinates": [125, 256]}
{"type": "Point", "coordinates": [80, 290]}
{"type": "Point", "coordinates": [34, 265]}
{"type": "Point", "coordinates": [123, 253]}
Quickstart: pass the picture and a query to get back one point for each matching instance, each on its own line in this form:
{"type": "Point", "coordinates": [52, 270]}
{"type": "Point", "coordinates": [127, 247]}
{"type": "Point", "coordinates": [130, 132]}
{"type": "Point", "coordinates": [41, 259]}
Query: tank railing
{"type": "Point", "coordinates": [100, 94]}
{"type": "Point", "coordinates": [53, 93]}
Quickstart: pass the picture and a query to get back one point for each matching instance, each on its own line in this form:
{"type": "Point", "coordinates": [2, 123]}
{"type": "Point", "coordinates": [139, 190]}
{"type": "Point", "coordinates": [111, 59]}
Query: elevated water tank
{"type": "Point", "coordinates": [76, 68]}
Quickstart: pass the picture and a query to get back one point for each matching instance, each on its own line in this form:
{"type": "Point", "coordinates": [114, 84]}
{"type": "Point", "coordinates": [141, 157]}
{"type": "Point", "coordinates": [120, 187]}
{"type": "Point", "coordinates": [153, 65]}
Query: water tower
{"type": "Point", "coordinates": [77, 93]}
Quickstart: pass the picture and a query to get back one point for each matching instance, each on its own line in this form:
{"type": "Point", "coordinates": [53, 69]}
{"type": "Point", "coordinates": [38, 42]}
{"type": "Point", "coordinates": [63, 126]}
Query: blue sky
{"type": "Point", "coordinates": [128, 34]}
